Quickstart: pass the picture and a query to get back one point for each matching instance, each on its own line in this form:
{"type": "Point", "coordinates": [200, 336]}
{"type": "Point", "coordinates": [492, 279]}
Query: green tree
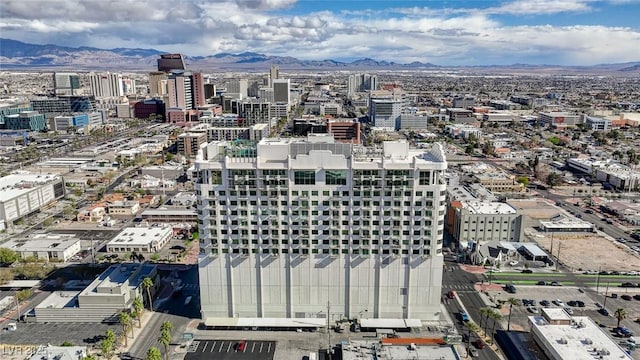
{"type": "Point", "coordinates": [108, 344]}
{"type": "Point", "coordinates": [5, 276]}
{"type": "Point", "coordinates": [620, 314]}
{"type": "Point", "coordinates": [165, 337]}
{"type": "Point", "coordinates": [147, 284]}
{"type": "Point", "coordinates": [23, 295]}
{"type": "Point", "coordinates": [471, 328]}
{"type": "Point", "coordinates": [138, 308]}
{"type": "Point", "coordinates": [125, 320]}
{"type": "Point", "coordinates": [554, 179]}
{"type": "Point", "coordinates": [66, 344]}
{"type": "Point", "coordinates": [8, 256]}
{"type": "Point", "coordinates": [511, 301]}
{"type": "Point", "coordinates": [484, 317]}
{"type": "Point", "coordinates": [495, 316]}
{"type": "Point", "coordinates": [90, 357]}
{"type": "Point", "coordinates": [523, 180]}
{"type": "Point", "coordinates": [153, 354]}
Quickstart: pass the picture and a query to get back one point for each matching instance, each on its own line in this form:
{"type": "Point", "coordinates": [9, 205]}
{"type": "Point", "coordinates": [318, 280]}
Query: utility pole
{"type": "Point", "coordinates": [598, 279]}
{"type": "Point", "coordinates": [604, 304]}
{"type": "Point", "coordinates": [329, 328]}
{"type": "Point", "coordinates": [558, 257]}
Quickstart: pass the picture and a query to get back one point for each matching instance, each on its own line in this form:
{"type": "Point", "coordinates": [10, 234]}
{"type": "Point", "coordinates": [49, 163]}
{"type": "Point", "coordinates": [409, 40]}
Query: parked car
{"type": "Point", "coordinates": [603, 311]}
{"type": "Point", "coordinates": [626, 297]}
{"type": "Point", "coordinates": [473, 352]}
{"type": "Point", "coordinates": [545, 303]}
{"type": "Point", "coordinates": [527, 271]}
{"type": "Point", "coordinates": [532, 310]}
{"type": "Point", "coordinates": [479, 344]}
{"type": "Point", "coordinates": [541, 283]}
{"type": "Point", "coordinates": [510, 288]}
{"type": "Point", "coordinates": [627, 285]}
{"type": "Point", "coordinates": [558, 302]}
{"type": "Point", "coordinates": [241, 345]}
{"type": "Point", "coordinates": [556, 283]}
{"type": "Point", "coordinates": [568, 310]}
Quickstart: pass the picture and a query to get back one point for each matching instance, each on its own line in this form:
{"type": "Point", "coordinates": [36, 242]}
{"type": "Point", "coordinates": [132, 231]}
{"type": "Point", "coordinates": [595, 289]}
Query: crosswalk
{"type": "Point", "coordinates": [457, 287]}
{"type": "Point", "coordinates": [190, 286]}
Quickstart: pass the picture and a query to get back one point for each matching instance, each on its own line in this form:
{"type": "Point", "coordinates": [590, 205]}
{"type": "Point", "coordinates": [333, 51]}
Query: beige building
{"type": "Point", "coordinates": [93, 214]}
{"type": "Point", "coordinates": [189, 143]}
{"type": "Point", "coordinates": [123, 208]}
{"type": "Point", "coordinates": [140, 239]}
{"type": "Point", "coordinates": [499, 182]}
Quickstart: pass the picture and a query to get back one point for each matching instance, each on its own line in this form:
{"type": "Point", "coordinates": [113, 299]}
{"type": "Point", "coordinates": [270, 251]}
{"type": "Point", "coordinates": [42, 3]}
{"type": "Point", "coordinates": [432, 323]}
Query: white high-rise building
{"type": "Point", "coordinates": [385, 114]}
{"type": "Point", "coordinates": [274, 73]}
{"type": "Point", "coordinates": [237, 89]}
{"type": "Point", "coordinates": [289, 225]}
{"type": "Point", "coordinates": [281, 90]}
{"type": "Point", "coordinates": [106, 85]}
{"type": "Point", "coordinates": [361, 82]}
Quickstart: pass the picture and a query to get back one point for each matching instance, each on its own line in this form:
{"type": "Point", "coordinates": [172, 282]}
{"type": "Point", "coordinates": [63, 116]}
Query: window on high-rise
{"type": "Point", "coordinates": [304, 177]}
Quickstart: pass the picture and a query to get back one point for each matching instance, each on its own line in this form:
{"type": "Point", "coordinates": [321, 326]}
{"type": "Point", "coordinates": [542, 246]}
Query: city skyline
{"type": "Point", "coordinates": [561, 32]}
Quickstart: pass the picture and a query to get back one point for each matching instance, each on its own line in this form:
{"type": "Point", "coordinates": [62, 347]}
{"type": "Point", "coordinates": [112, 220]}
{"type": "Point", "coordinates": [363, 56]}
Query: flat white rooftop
{"type": "Point", "coordinates": [370, 350]}
{"type": "Point", "coordinates": [576, 341]}
{"type": "Point", "coordinates": [141, 236]}
{"type": "Point", "coordinates": [488, 208]}
{"type": "Point", "coordinates": [42, 244]}
{"type": "Point", "coordinates": [14, 185]}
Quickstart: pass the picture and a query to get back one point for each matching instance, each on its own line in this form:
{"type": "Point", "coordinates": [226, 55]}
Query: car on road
{"type": "Point", "coordinates": [527, 271]}
{"type": "Point", "coordinates": [626, 297]}
{"type": "Point", "coordinates": [473, 352]}
{"type": "Point", "coordinates": [589, 211]}
{"type": "Point", "coordinates": [464, 316]}
{"type": "Point", "coordinates": [479, 343]}
{"type": "Point", "coordinates": [541, 283]}
{"type": "Point", "coordinates": [579, 216]}
{"type": "Point", "coordinates": [627, 285]}
{"type": "Point", "coordinates": [510, 288]}
{"type": "Point", "coordinates": [556, 283]}
{"type": "Point", "coordinates": [603, 311]}
{"type": "Point", "coordinates": [581, 290]}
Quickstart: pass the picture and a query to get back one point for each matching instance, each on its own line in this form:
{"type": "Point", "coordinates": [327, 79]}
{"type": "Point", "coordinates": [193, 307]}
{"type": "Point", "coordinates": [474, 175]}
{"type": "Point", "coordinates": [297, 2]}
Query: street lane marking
{"type": "Point", "coordinates": [253, 347]}
{"type": "Point", "coordinates": [221, 344]}
{"type": "Point", "coordinates": [213, 346]}
{"type": "Point", "coordinates": [269, 348]}
{"type": "Point", "coordinates": [229, 347]}
{"type": "Point", "coordinates": [204, 348]}
{"type": "Point", "coordinates": [261, 344]}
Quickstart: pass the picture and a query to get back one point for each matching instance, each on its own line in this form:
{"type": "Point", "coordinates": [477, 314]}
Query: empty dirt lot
{"type": "Point", "coordinates": [589, 252]}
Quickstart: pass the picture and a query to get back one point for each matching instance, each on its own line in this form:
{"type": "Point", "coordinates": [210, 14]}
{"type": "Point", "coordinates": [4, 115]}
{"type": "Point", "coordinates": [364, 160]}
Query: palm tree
{"type": "Point", "coordinates": [511, 301]}
{"type": "Point", "coordinates": [496, 316]}
{"type": "Point", "coordinates": [620, 314]}
{"type": "Point", "coordinates": [484, 315]}
{"type": "Point", "coordinates": [147, 284]}
{"type": "Point", "coordinates": [471, 328]}
{"type": "Point", "coordinates": [166, 326]}
{"type": "Point", "coordinates": [153, 354]}
{"type": "Point", "coordinates": [165, 338]}
{"type": "Point", "coordinates": [125, 319]}
{"type": "Point", "coordinates": [138, 308]}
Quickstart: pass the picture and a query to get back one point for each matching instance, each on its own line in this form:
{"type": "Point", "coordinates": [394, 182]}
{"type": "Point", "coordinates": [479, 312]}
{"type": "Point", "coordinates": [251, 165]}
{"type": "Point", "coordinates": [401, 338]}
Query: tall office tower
{"type": "Point", "coordinates": [157, 84]}
{"type": "Point", "coordinates": [281, 90]}
{"type": "Point", "coordinates": [171, 62]}
{"type": "Point", "coordinates": [362, 82]}
{"type": "Point", "coordinates": [185, 90]}
{"type": "Point", "coordinates": [179, 91]}
{"type": "Point", "coordinates": [106, 85]}
{"type": "Point", "coordinates": [237, 89]}
{"type": "Point", "coordinates": [287, 226]}
{"type": "Point", "coordinates": [274, 73]}
{"type": "Point", "coordinates": [66, 83]}
{"type": "Point", "coordinates": [197, 89]}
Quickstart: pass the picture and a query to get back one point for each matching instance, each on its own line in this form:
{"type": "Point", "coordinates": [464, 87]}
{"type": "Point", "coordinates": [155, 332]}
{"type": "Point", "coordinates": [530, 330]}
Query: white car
{"type": "Point", "coordinates": [513, 263]}
{"type": "Point", "coordinates": [558, 302]}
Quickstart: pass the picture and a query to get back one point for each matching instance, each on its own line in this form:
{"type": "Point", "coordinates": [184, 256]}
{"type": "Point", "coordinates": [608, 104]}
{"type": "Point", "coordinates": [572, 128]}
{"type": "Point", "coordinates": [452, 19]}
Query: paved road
{"type": "Point", "coordinates": [462, 282]}
{"type": "Point", "coordinates": [596, 218]}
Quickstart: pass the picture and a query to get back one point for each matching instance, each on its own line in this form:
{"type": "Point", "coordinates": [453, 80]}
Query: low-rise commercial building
{"type": "Point", "coordinates": [24, 193]}
{"type": "Point", "coordinates": [499, 182]}
{"type": "Point", "coordinates": [140, 239]}
{"type": "Point", "coordinates": [561, 223]}
{"type": "Point", "coordinates": [110, 293]}
{"type": "Point", "coordinates": [188, 143]}
{"type": "Point", "coordinates": [46, 247]}
{"type": "Point", "coordinates": [125, 208]}
{"type": "Point", "coordinates": [565, 337]}
{"type": "Point", "coordinates": [558, 119]}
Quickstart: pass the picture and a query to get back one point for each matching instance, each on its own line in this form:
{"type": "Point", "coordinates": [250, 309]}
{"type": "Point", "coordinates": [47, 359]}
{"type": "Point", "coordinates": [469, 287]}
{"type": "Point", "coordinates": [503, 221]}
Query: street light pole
{"type": "Point", "coordinates": [604, 305]}
{"type": "Point", "coordinates": [329, 328]}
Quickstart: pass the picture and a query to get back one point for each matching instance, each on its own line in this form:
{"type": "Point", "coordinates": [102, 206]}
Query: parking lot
{"type": "Point", "coordinates": [228, 349]}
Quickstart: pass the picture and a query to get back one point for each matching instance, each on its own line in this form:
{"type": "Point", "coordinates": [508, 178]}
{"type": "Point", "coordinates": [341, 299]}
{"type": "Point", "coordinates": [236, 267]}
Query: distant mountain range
{"type": "Point", "coordinates": [19, 55]}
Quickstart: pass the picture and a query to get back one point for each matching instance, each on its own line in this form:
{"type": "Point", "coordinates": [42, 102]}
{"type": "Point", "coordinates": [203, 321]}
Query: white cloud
{"type": "Point", "coordinates": [443, 36]}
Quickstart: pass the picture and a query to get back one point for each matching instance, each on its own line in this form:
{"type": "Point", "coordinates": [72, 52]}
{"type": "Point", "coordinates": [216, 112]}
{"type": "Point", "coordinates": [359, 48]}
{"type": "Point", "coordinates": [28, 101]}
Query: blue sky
{"type": "Point", "coordinates": [563, 32]}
